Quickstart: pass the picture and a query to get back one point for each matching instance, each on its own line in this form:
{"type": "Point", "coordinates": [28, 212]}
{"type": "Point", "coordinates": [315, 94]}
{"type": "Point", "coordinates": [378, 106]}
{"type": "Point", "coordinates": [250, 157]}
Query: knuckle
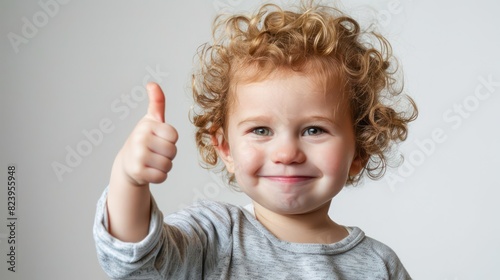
{"type": "Point", "coordinates": [173, 151]}
{"type": "Point", "coordinates": [159, 177]}
{"type": "Point", "coordinates": [175, 135]}
{"type": "Point", "coordinates": [168, 165]}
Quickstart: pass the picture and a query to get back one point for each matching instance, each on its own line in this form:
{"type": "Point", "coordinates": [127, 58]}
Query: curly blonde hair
{"type": "Point", "coordinates": [316, 38]}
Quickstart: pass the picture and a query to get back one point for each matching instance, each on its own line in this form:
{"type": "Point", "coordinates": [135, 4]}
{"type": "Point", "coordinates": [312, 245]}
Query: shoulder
{"type": "Point", "coordinates": [384, 255]}
{"type": "Point", "coordinates": [378, 248]}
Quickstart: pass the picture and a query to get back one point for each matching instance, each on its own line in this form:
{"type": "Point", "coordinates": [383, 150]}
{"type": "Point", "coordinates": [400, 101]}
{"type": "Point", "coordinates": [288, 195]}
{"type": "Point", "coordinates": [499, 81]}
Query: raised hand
{"type": "Point", "coordinates": [148, 152]}
{"type": "Point", "coordinates": [146, 157]}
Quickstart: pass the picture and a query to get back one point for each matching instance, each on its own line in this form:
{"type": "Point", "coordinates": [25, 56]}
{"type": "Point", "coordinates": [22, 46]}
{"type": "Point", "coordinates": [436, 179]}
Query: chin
{"type": "Point", "coordinates": [296, 208]}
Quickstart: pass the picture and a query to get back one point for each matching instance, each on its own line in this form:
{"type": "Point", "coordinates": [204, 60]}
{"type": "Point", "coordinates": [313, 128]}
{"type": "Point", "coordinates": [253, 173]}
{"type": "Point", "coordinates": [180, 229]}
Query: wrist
{"type": "Point", "coordinates": [121, 177]}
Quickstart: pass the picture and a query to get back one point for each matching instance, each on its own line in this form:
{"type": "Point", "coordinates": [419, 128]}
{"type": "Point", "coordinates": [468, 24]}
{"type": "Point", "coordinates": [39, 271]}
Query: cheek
{"type": "Point", "coordinates": [248, 157]}
{"type": "Point", "coordinates": [336, 161]}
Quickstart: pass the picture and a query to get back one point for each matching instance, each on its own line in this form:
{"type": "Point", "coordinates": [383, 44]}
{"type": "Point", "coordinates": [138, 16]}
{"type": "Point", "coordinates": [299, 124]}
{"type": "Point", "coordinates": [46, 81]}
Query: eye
{"type": "Point", "coordinates": [261, 131]}
{"type": "Point", "coordinates": [313, 130]}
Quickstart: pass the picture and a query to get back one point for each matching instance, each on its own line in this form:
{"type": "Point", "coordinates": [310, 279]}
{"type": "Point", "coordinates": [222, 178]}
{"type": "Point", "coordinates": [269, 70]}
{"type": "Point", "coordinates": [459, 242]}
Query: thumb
{"type": "Point", "coordinates": [156, 107]}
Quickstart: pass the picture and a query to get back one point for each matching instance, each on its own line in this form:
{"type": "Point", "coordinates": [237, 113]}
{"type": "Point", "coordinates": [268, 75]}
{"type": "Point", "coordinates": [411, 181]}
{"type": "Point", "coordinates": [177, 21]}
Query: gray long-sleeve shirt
{"type": "Point", "coordinates": [213, 240]}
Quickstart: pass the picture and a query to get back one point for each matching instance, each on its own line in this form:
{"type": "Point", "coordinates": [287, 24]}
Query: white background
{"type": "Point", "coordinates": [71, 71]}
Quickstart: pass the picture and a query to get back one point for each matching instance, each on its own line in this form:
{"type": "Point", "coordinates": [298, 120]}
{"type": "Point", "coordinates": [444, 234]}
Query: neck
{"type": "Point", "coordinates": [312, 227]}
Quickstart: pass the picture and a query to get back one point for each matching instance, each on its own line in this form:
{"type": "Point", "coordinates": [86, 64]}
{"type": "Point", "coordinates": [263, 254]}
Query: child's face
{"type": "Point", "coordinates": [290, 145]}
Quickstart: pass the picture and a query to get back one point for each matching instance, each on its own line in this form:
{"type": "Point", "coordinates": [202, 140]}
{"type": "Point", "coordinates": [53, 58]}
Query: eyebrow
{"type": "Point", "coordinates": [264, 119]}
{"type": "Point", "coordinates": [253, 119]}
{"type": "Point", "coordinates": [330, 121]}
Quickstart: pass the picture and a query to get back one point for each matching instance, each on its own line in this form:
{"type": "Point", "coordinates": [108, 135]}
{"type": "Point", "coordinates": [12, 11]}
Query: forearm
{"type": "Point", "coordinates": [129, 207]}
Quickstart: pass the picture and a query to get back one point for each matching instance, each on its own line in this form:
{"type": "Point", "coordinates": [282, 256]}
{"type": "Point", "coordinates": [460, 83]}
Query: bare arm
{"type": "Point", "coordinates": [146, 157]}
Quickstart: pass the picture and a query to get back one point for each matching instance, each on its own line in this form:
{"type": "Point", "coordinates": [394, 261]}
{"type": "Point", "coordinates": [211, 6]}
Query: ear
{"type": "Point", "coordinates": [223, 150]}
{"type": "Point", "coordinates": [357, 165]}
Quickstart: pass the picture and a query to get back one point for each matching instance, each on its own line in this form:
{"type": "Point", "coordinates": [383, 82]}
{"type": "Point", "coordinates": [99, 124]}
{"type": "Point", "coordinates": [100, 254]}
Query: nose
{"type": "Point", "coordinates": [287, 151]}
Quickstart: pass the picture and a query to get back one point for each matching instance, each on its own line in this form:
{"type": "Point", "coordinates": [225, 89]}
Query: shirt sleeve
{"type": "Point", "coordinates": [395, 268]}
{"type": "Point", "coordinates": [393, 265]}
{"type": "Point", "coordinates": [186, 247]}
{"type": "Point", "coordinates": [127, 260]}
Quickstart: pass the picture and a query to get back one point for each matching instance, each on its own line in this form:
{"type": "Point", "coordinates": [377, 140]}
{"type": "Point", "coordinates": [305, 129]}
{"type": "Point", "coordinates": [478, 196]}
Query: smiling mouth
{"type": "Point", "coordinates": [288, 179]}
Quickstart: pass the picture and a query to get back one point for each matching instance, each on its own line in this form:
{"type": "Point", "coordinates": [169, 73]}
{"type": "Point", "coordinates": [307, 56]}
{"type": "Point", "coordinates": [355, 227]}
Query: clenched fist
{"type": "Point", "coordinates": [147, 155]}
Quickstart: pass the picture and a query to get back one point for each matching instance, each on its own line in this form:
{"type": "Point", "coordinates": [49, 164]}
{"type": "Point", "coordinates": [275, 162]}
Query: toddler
{"type": "Point", "coordinates": [292, 106]}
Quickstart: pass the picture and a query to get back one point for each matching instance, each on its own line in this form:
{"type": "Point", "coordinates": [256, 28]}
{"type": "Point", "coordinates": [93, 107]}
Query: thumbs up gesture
{"type": "Point", "coordinates": [147, 155]}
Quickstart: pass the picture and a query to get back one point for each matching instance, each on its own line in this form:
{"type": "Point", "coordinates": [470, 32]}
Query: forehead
{"type": "Point", "coordinates": [310, 81]}
{"type": "Point", "coordinates": [286, 94]}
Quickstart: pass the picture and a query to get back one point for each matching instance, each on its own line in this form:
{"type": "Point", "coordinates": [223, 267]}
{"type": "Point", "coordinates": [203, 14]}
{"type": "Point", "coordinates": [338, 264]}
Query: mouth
{"type": "Point", "coordinates": [288, 179]}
